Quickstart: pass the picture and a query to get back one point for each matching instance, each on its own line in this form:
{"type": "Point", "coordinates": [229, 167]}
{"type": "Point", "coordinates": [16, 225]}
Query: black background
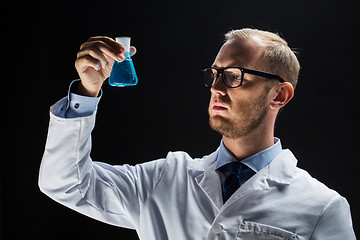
{"type": "Point", "coordinates": [167, 111]}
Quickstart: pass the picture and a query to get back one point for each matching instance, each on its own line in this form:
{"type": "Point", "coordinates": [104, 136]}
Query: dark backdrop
{"type": "Point", "coordinates": [167, 111]}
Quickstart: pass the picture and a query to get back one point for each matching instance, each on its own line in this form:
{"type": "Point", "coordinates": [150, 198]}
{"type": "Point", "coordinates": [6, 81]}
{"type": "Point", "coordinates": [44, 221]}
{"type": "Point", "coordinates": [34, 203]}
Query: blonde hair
{"type": "Point", "coordinates": [278, 58]}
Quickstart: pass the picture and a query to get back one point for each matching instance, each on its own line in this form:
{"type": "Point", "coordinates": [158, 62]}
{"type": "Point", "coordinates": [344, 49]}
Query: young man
{"type": "Point", "coordinates": [249, 188]}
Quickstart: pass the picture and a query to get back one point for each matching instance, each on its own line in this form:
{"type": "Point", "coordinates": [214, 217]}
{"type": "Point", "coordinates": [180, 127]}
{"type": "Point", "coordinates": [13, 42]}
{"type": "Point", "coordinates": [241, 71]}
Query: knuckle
{"type": "Point", "coordinates": [92, 38]}
{"type": "Point", "coordinates": [88, 50]}
{"type": "Point", "coordinates": [80, 54]}
{"type": "Point", "coordinates": [91, 51]}
{"type": "Point", "coordinates": [96, 39]}
{"type": "Point", "coordinates": [84, 45]}
{"type": "Point", "coordinates": [83, 60]}
{"type": "Point", "coordinates": [87, 58]}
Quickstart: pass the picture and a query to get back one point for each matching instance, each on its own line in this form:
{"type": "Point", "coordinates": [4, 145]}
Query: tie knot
{"type": "Point", "coordinates": [231, 168]}
{"type": "Point", "coordinates": [233, 175]}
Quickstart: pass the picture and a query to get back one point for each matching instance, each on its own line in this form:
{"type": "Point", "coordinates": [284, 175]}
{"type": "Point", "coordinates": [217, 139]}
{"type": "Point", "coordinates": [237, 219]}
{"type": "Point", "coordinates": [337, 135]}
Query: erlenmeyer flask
{"type": "Point", "coordinates": [123, 73]}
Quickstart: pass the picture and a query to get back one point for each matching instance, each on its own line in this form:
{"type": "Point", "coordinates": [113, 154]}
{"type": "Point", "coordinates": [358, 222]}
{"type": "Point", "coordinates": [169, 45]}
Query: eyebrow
{"type": "Point", "coordinates": [233, 66]}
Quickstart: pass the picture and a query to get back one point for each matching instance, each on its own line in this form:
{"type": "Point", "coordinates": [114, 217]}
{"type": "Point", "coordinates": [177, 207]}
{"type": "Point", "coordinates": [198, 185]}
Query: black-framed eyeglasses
{"type": "Point", "coordinates": [233, 77]}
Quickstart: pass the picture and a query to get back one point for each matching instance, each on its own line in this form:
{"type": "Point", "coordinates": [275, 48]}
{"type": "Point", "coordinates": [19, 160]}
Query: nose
{"type": "Point", "coordinates": [219, 88]}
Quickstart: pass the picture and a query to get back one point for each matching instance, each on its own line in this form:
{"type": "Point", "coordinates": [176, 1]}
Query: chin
{"type": "Point", "coordinates": [228, 128]}
{"type": "Point", "coordinates": [217, 120]}
{"type": "Point", "coordinates": [219, 124]}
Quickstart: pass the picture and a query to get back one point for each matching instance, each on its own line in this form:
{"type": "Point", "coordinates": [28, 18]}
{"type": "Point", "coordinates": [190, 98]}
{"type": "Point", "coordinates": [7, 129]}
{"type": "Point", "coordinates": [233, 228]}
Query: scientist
{"type": "Point", "coordinates": [249, 188]}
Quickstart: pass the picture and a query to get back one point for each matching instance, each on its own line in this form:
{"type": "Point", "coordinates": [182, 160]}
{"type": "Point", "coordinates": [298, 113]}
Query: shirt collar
{"type": "Point", "coordinates": [256, 162]}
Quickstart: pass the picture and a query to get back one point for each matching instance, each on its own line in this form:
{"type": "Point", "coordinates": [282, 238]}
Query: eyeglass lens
{"type": "Point", "coordinates": [231, 76]}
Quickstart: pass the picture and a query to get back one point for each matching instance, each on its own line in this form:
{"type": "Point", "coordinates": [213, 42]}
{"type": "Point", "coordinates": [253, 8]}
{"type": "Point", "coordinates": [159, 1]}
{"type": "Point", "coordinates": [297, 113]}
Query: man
{"type": "Point", "coordinates": [249, 188]}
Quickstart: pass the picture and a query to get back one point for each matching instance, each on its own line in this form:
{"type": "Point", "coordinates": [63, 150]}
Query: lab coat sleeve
{"type": "Point", "coordinates": [335, 222]}
{"type": "Point", "coordinates": [112, 194]}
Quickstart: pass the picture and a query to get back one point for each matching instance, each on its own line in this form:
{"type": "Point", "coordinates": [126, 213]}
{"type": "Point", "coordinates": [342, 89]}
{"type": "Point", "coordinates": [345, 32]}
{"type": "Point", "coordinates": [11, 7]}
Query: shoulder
{"type": "Point", "coordinates": [313, 185]}
{"type": "Point", "coordinates": [308, 190]}
{"type": "Point", "coordinates": [300, 180]}
{"type": "Point", "coordinates": [314, 193]}
{"type": "Point", "coordinates": [329, 208]}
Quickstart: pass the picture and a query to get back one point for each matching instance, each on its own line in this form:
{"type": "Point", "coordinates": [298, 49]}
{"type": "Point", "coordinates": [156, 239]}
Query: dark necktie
{"type": "Point", "coordinates": [235, 174]}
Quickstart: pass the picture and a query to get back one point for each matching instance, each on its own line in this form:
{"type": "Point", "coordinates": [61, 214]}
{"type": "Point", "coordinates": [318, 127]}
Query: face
{"type": "Point", "coordinates": [237, 112]}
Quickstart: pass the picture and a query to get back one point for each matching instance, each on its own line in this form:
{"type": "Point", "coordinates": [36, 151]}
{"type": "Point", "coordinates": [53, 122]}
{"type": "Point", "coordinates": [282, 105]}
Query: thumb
{"type": "Point", "coordinates": [132, 50]}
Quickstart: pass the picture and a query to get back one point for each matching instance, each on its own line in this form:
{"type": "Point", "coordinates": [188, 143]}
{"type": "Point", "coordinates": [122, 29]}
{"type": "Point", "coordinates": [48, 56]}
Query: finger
{"type": "Point", "coordinates": [113, 43]}
{"type": "Point", "coordinates": [116, 54]}
{"type": "Point", "coordinates": [84, 62]}
{"type": "Point", "coordinates": [109, 41]}
{"type": "Point", "coordinates": [95, 53]}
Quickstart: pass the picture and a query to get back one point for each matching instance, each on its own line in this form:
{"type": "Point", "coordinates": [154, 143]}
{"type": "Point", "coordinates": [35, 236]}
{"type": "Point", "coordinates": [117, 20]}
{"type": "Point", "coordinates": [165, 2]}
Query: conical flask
{"type": "Point", "coordinates": [123, 73]}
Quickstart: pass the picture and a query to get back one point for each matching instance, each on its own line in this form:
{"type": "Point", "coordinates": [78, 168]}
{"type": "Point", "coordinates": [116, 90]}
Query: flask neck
{"type": "Point", "coordinates": [127, 54]}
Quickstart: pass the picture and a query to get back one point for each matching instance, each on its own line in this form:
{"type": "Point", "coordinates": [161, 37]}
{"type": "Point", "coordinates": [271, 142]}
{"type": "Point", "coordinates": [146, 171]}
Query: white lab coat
{"type": "Point", "coordinates": [180, 198]}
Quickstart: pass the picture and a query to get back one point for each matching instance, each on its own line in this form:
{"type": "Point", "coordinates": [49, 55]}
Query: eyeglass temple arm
{"type": "Point", "coordinates": [263, 74]}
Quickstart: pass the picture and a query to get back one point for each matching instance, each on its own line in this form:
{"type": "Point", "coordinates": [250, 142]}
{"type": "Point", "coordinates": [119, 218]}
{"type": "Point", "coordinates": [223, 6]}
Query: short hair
{"type": "Point", "coordinates": [277, 58]}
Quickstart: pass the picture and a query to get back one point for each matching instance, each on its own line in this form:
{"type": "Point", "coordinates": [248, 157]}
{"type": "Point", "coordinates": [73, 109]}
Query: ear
{"type": "Point", "coordinates": [284, 92]}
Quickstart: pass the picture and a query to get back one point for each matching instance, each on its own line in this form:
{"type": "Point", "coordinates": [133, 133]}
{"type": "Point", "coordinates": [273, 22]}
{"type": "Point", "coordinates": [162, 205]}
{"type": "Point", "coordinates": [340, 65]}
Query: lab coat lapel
{"type": "Point", "coordinates": [208, 179]}
{"type": "Point", "coordinates": [280, 171]}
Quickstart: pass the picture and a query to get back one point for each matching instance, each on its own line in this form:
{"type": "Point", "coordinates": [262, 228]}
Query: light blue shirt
{"type": "Point", "coordinates": [255, 162]}
{"type": "Point", "coordinates": [79, 106]}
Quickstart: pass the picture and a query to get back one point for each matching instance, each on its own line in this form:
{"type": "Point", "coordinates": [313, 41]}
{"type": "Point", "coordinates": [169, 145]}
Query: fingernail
{"type": "Point", "coordinates": [98, 66]}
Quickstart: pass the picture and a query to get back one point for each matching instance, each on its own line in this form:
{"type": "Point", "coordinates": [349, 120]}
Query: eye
{"type": "Point", "coordinates": [234, 76]}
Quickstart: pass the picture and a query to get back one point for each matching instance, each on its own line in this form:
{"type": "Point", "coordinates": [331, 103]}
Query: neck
{"type": "Point", "coordinates": [258, 140]}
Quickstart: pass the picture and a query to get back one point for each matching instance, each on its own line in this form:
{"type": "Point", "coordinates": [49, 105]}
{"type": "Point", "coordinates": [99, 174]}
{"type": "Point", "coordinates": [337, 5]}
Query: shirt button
{"type": "Point", "coordinates": [77, 105]}
{"type": "Point", "coordinates": [217, 228]}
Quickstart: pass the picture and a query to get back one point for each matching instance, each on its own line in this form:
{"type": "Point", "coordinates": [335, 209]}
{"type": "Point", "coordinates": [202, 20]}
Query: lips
{"type": "Point", "coordinates": [219, 107]}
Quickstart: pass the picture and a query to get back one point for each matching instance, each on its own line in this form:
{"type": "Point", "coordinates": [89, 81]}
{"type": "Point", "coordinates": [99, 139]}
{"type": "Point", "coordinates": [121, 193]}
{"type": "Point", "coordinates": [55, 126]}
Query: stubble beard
{"type": "Point", "coordinates": [250, 118]}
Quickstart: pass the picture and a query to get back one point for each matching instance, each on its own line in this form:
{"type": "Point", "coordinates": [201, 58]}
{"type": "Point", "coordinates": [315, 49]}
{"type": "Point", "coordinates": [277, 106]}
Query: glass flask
{"type": "Point", "coordinates": [123, 73]}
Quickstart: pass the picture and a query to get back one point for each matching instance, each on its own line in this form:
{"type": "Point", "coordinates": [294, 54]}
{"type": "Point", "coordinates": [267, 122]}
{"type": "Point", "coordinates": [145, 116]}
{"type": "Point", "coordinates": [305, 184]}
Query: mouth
{"type": "Point", "coordinates": [219, 107]}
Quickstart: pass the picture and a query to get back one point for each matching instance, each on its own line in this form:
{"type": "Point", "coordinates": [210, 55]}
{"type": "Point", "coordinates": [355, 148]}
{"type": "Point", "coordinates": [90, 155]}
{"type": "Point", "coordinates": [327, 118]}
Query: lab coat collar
{"type": "Point", "coordinates": [280, 171]}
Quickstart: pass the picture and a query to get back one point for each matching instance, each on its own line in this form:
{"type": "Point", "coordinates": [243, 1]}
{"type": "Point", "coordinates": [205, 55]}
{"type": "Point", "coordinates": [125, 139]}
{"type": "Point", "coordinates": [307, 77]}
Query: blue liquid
{"type": "Point", "coordinates": [123, 74]}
